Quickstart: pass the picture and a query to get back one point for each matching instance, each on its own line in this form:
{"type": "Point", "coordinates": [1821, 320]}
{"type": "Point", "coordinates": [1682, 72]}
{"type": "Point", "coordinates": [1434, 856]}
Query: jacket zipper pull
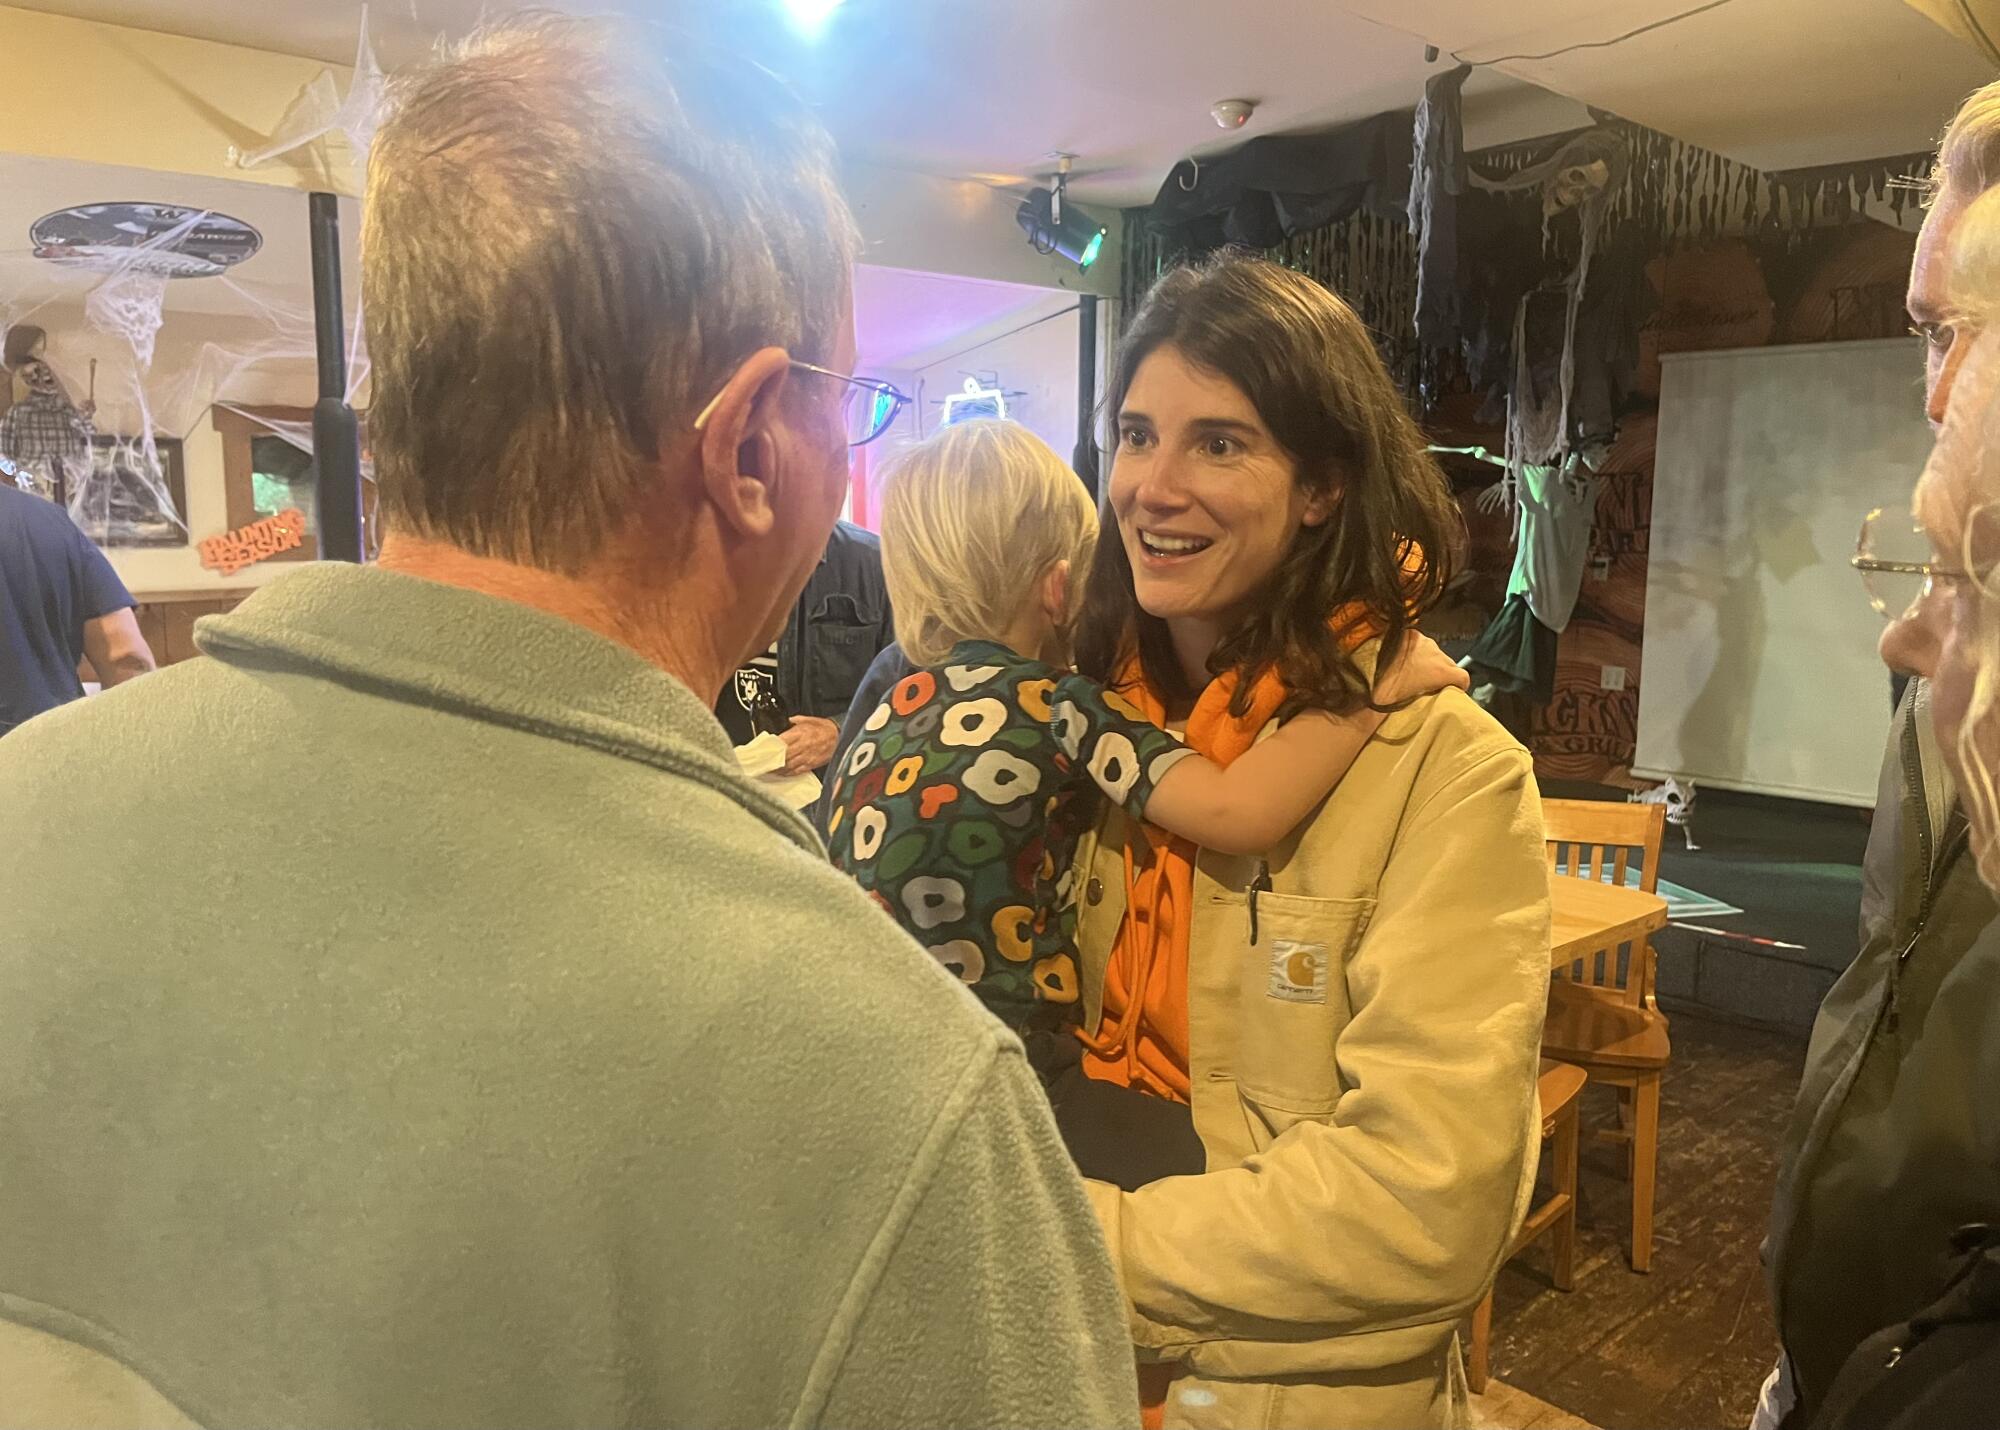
{"type": "Point", "coordinates": [1260, 884]}
{"type": "Point", "coordinates": [1892, 1017]}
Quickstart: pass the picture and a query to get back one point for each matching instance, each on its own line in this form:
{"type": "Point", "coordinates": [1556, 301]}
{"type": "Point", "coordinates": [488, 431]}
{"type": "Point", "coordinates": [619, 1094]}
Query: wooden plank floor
{"type": "Point", "coordinates": [1504, 1408]}
{"type": "Point", "coordinates": [1689, 1344]}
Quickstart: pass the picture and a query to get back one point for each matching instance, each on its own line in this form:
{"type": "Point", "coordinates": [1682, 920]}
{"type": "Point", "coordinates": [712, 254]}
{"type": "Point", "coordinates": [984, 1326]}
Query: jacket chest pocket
{"type": "Point", "coordinates": [841, 639]}
{"type": "Point", "coordinates": [1097, 885]}
{"type": "Point", "coordinates": [1292, 998]}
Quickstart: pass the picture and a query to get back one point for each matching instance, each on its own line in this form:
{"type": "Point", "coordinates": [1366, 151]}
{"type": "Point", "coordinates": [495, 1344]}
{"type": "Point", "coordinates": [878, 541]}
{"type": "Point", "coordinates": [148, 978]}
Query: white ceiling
{"type": "Point", "coordinates": [991, 87]}
{"type": "Point", "coordinates": [972, 87]}
{"type": "Point", "coordinates": [995, 87]}
{"type": "Point", "coordinates": [905, 320]}
{"type": "Point", "coordinates": [988, 88]}
{"type": "Point", "coordinates": [1776, 84]}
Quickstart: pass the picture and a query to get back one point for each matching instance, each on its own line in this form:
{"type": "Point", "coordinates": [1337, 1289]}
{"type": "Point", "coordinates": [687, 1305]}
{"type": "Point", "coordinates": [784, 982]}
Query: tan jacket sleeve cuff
{"type": "Point", "coordinates": [1150, 1340]}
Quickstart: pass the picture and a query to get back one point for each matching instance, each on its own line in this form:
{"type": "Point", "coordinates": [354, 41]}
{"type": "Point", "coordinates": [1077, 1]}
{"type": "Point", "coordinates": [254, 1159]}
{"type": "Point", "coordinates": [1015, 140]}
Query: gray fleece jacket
{"type": "Point", "coordinates": [409, 1018]}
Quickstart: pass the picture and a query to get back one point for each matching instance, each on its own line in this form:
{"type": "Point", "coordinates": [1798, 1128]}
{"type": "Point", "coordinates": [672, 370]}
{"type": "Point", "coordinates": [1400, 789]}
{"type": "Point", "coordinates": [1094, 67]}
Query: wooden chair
{"type": "Point", "coordinates": [1602, 1014]}
{"type": "Point", "coordinates": [1588, 839]}
{"type": "Point", "coordinates": [1557, 1092]}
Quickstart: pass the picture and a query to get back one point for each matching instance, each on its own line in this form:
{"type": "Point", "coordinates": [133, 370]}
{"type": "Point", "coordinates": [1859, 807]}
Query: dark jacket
{"type": "Point", "coordinates": [841, 621]}
{"type": "Point", "coordinates": [53, 584]}
{"type": "Point", "coordinates": [1939, 1369]}
{"type": "Point", "coordinates": [1895, 1140]}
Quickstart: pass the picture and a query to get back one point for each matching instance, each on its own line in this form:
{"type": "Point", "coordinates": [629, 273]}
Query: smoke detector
{"type": "Point", "coordinates": [1232, 113]}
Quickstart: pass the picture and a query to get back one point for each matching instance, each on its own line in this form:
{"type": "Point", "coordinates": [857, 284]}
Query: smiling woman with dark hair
{"type": "Point", "coordinates": [1365, 494]}
{"type": "Point", "coordinates": [1355, 1019]}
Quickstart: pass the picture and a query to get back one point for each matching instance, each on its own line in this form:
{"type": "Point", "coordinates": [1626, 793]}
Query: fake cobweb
{"type": "Point", "coordinates": [149, 329]}
{"type": "Point", "coordinates": [322, 111]}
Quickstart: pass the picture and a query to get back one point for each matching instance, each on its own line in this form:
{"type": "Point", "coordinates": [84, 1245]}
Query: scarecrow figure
{"type": "Point", "coordinates": [43, 432]}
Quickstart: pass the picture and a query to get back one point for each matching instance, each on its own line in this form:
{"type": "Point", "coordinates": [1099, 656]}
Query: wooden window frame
{"type": "Point", "coordinates": [237, 427]}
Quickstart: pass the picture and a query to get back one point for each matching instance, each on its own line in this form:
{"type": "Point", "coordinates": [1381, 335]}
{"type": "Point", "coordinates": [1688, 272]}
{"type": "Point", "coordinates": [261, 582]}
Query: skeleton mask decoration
{"type": "Point", "coordinates": [1586, 171]}
{"type": "Point", "coordinates": [39, 377]}
{"type": "Point", "coordinates": [1574, 184]}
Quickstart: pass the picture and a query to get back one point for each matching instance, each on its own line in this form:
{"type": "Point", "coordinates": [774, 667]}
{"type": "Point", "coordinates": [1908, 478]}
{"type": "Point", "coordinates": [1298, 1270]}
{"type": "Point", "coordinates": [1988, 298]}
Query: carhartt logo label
{"type": "Point", "coordinates": [1298, 971]}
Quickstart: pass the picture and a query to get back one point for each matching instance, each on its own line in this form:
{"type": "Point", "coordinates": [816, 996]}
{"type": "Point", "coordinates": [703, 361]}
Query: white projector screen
{"type": "Point", "coordinates": [1760, 670]}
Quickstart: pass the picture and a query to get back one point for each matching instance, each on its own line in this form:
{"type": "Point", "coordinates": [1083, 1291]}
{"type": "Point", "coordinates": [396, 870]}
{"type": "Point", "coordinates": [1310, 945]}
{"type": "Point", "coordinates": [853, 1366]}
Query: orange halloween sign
{"type": "Point", "coordinates": [233, 550]}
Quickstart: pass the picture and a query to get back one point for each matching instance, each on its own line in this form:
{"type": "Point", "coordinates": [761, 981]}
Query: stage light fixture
{"type": "Point", "coordinates": [1054, 225]}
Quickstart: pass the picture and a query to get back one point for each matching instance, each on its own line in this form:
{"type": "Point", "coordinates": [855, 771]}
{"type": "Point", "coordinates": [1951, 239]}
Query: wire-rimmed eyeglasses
{"type": "Point", "coordinates": [1894, 559]}
{"type": "Point", "coordinates": [868, 405]}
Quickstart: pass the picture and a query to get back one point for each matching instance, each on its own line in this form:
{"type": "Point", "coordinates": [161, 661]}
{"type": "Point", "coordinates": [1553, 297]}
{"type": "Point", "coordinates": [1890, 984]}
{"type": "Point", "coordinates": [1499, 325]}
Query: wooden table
{"type": "Point", "coordinates": [1590, 915]}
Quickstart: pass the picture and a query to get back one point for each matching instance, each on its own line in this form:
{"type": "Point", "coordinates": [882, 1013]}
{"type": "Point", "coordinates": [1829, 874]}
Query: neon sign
{"type": "Point", "coordinates": [974, 402]}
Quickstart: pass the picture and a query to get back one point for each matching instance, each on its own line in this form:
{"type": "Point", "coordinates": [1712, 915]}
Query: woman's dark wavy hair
{"type": "Point", "coordinates": [1310, 368]}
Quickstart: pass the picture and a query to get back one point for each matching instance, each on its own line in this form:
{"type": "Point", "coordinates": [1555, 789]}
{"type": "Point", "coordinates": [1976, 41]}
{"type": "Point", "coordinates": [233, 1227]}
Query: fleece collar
{"type": "Point", "coordinates": [483, 658]}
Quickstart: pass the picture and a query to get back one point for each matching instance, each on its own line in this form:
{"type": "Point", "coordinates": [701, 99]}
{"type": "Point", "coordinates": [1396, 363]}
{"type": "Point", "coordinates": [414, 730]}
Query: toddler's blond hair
{"type": "Point", "coordinates": [972, 519]}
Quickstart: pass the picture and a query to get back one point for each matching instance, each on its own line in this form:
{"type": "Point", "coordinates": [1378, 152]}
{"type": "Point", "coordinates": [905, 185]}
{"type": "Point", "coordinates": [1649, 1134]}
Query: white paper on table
{"type": "Point", "coordinates": [763, 759]}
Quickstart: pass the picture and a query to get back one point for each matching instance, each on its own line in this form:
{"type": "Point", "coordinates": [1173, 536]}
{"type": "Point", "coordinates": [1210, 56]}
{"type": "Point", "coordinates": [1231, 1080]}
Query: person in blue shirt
{"type": "Point", "coordinates": [59, 602]}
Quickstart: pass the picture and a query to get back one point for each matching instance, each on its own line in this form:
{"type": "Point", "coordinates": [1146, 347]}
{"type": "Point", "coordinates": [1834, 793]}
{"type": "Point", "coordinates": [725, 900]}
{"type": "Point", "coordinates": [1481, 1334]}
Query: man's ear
{"type": "Point", "coordinates": [739, 446]}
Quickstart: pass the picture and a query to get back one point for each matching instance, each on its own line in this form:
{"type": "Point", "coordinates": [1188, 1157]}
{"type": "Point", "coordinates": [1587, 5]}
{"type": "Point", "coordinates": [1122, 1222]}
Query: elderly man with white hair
{"type": "Point", "coordinates": [463, 1040]}
{"type": "Point", "coordinates": [1937, 1365]}
{"type": "Point", "coordinates": [1894, 1141]}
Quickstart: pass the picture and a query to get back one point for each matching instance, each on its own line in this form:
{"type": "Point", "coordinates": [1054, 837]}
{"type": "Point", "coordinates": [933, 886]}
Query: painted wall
{"type": "Point", "coordinates": [1035, 365]}
{"type": "Point", "coordinates": [77, 89]}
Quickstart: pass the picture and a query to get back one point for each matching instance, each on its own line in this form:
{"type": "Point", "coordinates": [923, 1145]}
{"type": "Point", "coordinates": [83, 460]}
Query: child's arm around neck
{"type": "Point", "coordinates": [1252, 803]}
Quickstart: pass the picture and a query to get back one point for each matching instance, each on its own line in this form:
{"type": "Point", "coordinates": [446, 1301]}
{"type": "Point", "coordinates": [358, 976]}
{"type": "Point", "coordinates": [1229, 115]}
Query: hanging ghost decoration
{"type": "Point", "coordinates": [1583, 177]}
{"type": "Point", "coordinates": [1437, 177]}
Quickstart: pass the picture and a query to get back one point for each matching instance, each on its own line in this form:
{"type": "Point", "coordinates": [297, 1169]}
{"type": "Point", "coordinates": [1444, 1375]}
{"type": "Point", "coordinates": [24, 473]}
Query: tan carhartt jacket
{"type": "Point", "coordinates": [1365, 1010]}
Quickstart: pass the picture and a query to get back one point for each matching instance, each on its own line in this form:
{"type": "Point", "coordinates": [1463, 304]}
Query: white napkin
{"type": "Point", "coordinates": [761, 756]}
{"type": "Point", "coordinates": [763, 760]}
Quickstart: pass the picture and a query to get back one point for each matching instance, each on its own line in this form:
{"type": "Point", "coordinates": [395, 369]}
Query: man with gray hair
{"type": "Point", "coordinates": [1890, 1145]}
{"type": "Point", "coordinates": [466, 1042]}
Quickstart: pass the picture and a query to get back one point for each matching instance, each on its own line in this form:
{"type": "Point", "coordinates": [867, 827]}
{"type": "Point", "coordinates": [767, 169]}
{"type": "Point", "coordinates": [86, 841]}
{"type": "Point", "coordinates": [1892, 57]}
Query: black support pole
{"type": "Point", "coordinates": [336, 439]}
{"type": "Point", "coordinates": [1086, 392]}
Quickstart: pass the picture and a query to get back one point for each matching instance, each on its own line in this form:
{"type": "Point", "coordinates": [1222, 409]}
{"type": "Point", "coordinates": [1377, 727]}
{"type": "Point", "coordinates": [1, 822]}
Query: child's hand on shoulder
{"type": "Point", "coordinates": [1420, 668]}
